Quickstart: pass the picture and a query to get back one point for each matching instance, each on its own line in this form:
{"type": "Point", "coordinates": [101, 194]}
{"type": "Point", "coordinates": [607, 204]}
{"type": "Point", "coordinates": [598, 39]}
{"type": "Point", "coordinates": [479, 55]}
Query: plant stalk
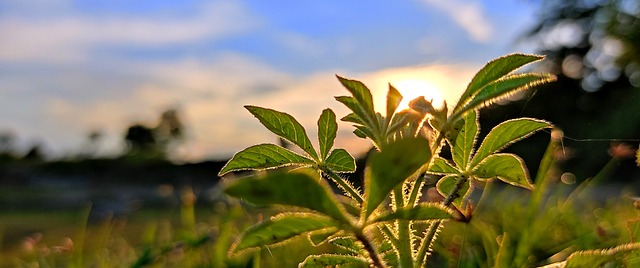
{"type": "Point", "coordinates": [429, 238]}
{"type": "Point", "coordinates": [370, 249]}
{"type": "Point", "coordinates": [405, 253]}
{"type": "Point", "coordinates": [342, 183]}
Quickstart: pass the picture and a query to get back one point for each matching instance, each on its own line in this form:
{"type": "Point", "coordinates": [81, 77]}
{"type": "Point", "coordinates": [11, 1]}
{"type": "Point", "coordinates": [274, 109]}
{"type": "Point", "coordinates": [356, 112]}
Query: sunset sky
{"type": "Point", "coordinates": [71, 67]}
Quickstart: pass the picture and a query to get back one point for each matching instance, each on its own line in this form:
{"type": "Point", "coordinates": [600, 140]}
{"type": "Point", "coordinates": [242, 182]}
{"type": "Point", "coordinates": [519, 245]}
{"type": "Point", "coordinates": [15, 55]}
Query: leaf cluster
{"type": "Point", "coordinates": [408, 143]}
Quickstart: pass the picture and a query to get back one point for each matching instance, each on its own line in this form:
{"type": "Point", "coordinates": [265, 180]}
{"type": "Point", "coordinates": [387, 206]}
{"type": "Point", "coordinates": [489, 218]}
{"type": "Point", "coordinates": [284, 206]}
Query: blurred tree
{"type": "Point", "coordinates": [140, 138]}
{"type": "Point", "coordinates": [593, 46]}
{"type": "Point", "coordinates": [158, 141]}
{"type": "Point", "coordinates": [7, 146]}
{"type": "Point", "coordinates": [170, 129]}
{"type": "Point", "coordinates": [34, 154]}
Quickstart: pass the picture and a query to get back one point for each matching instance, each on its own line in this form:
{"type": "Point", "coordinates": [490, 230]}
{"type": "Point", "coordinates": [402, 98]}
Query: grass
{"type": "Point", "coordinates": [563, 223]}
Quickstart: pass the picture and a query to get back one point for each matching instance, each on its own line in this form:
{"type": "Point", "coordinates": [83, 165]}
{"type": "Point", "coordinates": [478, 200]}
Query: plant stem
{"type": "Point", "coordinates": [345, 185]}
{"type": "Point", "coordinates": [417, 187]}
{"type": "Point", "coordinates": [405, 253]}
{"type": "Point", "coordinates": [435, 226]}
{"type": "Point", "coordinates": [369, 248]}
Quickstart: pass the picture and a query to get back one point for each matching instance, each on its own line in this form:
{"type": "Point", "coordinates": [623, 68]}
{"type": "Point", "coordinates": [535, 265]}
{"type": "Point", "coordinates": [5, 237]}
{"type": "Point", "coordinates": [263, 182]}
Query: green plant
{"type": "Point", "coordinates": [408, 145]}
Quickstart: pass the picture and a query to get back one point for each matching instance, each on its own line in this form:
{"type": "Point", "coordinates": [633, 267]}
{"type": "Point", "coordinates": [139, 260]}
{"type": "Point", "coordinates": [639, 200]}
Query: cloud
{"type": "Point", "coordinates": [72, 37]}
{"type": "Point", "coordinates": [210, 99]}
{"type": "Point", "coordinates": [468, 15]}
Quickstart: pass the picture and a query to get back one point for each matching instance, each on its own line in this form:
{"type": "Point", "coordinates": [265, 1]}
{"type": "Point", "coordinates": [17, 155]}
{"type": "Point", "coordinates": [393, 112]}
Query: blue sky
{"type": "Point", "coordinates": [71, 67]}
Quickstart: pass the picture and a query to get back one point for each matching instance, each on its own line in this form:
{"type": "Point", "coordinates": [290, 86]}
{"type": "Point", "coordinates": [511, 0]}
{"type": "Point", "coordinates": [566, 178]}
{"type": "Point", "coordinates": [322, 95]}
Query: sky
{"type": "Point", "coordinates": [68, 68]}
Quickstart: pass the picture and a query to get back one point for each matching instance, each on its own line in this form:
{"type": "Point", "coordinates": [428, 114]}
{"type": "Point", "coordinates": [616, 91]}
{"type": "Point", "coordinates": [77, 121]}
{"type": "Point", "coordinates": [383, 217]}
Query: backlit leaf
{"type": "Point", "coordinates": [280, 228]}
{"type": "Point", "coordinates": [339, 160]}
{"type": "Point", "coordinates": [361, 94]}
{"type": "Point", "coordinates": [393, 100]}
{"type": "Point", "coordinates": [598, 258]}
{"type": "Point", "coordinates": [440, 166]}
{"type": "Point", "coordinates": [353, 118]}
{"type": "Point", "coordinates": [390, 167]}
{"type": "Point", "coordinates": [333, 260]}
{"type": "Point", "coordinates": [401, 119]}
{"type": "Point", "coordinates": [285, 126]}
{"type": "Point", "coordinates": [303, 188]}
{"type": "Point", "coordinates": [348, 243]}
{"type": "Point", "coordinates": [462, 144]}
{"type": "Point", "coordinates": [422, 212]}
{"type": "Point", "coordinates": [446, 185]}
{"type": "Point", "coordinates": [327, 129]}
{"type": "Point", "coordinates": [507, 133]}
{"type": "Point", "coordinates": [320, 236]}
{"type": "Point", "coordinates": [506, 167]}
{"type": "Point", "coordinates": [505, 87]}
{"type": "Point", "coordinates": [494, 70]}
{"type": "Point", "coordinates": [263, 156]}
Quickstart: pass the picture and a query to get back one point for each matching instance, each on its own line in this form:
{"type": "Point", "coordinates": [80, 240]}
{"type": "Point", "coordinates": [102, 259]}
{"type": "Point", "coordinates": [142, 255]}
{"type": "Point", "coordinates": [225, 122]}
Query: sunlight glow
{"type": "Point", "coordinates": [413, 88]}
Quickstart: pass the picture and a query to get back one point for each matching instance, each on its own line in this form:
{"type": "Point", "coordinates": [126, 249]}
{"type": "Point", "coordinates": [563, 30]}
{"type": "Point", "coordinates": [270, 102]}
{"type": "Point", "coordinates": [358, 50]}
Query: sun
{"type": "Point", "coordinates": [413, 88]}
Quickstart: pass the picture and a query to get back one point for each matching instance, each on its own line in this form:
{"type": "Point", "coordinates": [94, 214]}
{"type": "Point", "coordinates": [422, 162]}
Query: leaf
{"type": "Point", "coordinates": [365, 132]}
{"type": "Point", "coordinates": [263, 156]}
{"type": "Point", "coordinates": [505, 87]}
{"type": "Point", "coordinates": [422, 212]}
{"type": "Point", "coordinates": [440, 166]}
{"type": "Point", "coordinates": [339, 160]}
{"type": "Point", "coordinates": [464, 140]}
{"type": "Point", "coordinates": [494, 70]}
{"type": "Point", "coordinates": [348, 243]}
{"type": "Point", "coordinates": [401, 119]}
{"type": "Point", "coordinates": [446, 185]}
{"type": "Point", "coordinates": [333, 260]}
{"type": "Point", "coordinates": [393, 100]}
{"type": "Point", "coordinates": [302, 189]}
{"type": "Point", "coordinates": [507, 167]}
{"type": "Point", "coordinates": [506, 133]}
{"type": "Point", "coordinates": [320, 236]}
{"type": "Point", "coordinates": [285, 126]}
{"type": "Point", "coordinates": [390, 167]}
{"type": "Point", "coordinates": [361, 94]}
{"type": "Point", "coordinates": [353, 118]}
{"type": "Point", "coordinates": [327, 129]}
{"type": "Point", "coordinates": [280, 228]}
{"type": "Point", "coordinates": [622, 254]}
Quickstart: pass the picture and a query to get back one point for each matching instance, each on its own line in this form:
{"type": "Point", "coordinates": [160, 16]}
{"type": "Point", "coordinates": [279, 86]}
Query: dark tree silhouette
{"type": "Point", "coordinates": [140, 138]}
{"type": "Point", "coordinates": [157, 141]}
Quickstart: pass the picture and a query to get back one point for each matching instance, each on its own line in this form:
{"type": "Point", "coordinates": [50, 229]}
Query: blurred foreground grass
{"type": "Point", "coordinates": [564, 221]}
{"type": "Point", "coordinates": [510, 228]}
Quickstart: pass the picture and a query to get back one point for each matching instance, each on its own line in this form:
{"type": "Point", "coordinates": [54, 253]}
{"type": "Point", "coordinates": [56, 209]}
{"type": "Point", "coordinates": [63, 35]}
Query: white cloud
{"type": "Point", "coordinates": [71, 37]}
{"type": "Point", "coordinates": [467, 14]}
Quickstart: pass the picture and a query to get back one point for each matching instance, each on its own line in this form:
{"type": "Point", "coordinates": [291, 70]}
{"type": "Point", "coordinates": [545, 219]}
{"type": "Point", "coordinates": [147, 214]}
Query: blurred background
{"type": "Point", "coordinates": [124, 104]}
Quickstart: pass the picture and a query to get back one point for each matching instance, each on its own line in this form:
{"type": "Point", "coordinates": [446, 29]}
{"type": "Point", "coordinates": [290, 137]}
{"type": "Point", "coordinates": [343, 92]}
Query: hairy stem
{"type": "Point", "coordinates": [415, 190]}
{"type": "Point", "coordinates": [405, 253]}
{"type": "Point", "coordinates": [429, 238]}
{"type": "Point", "coordinates": [344, 185]}
{"type": "Point", "coordinates": [375, 258]}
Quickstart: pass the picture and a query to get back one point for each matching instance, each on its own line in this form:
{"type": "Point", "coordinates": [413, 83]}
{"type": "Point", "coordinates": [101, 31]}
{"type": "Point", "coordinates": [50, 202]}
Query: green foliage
{"type": "Point", "coordinates": [300, 189]}
{"type": "Point", "coordinates": [507, 133]}
{"type": "Point", "coordinates": [405, 150]}
{"type": "Point", "coordinates": [264, 156]}
{"type": "Point", "coordinates": [333, 260]}
{"type": "Point", "coordinates": [492, 72]}
{"type": "Point", "coordinates": [327, 129]}
{"type": "Point", "coordinates": [506, 167]}
{"type": "Point", "coordinates": [422, 212]}
{"type": "Point", "coordinates": [280, 228]}
{"type": "Point", "coordinates": [389, 168]}
{"type": "Point", "coordinates": [285, 126]}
